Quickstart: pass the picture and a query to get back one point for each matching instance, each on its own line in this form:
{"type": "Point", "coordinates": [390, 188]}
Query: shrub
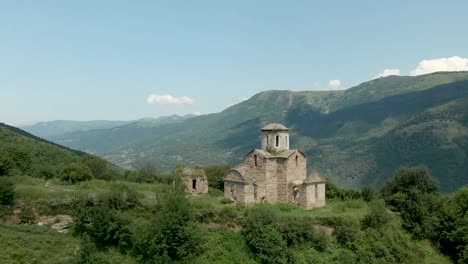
{"type": "Point", "coordinates": [105, 227]}
{"type": "Point", "coordinates": [27, 215]}
{"type": "Point", "coordinates": [263, 236]}
{"type": "Point", "coordinates": [408, 179]}
{"type": "Point", "coordinates": [225, 200]}
{"type": "Point", "coordinates": [6, 164]}
{"type": "Point", "coordinates": [368, 193]}
{"type": "Point", "coordinates": [346, 232]}
{"type": "Point", "coordinates": [76, 172]}
{"type": "Point", "coordinates": [172, 234]}
{"type": "Point", "coordinates": [378, 215]}
{"type": "Point", "coordinates": [97, 166]}
{"type": "Point", "coordinates": [44, 171]}
{"type": "Point", "coordinates": [7, 191]}
{"type": "Point", "coordinates": [333, 192]}
{"type": "Point", "coordinates": [267, 243]}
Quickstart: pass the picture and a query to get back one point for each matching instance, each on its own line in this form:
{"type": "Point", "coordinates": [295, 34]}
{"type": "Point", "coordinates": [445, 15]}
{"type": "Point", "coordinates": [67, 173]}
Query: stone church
{"type": "Point", "coordinates": [274, 174]}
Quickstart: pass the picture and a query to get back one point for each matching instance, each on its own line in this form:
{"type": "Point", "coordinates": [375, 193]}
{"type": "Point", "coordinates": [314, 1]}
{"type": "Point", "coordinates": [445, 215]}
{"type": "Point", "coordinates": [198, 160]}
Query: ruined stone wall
{"type": "Point", "coordinates": [201, 185]}
{"type": "Point", "coordinates": [320, 195]}
{"type": "Point", "coordinates": [312, 195]}
{"type": "Point", "coordinates": [234, 191]}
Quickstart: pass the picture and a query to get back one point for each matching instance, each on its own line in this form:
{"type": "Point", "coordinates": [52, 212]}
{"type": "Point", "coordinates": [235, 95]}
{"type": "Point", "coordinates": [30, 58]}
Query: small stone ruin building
{"type": "Point", "coordinates": [195, 180]}
{"type": "Point", "coordinates": [274, 174]}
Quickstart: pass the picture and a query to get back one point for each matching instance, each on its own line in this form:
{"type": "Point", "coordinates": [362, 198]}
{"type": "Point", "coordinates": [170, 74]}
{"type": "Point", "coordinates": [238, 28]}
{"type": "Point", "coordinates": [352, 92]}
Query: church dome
{"type": "Point", "coordinates": [275, 127]}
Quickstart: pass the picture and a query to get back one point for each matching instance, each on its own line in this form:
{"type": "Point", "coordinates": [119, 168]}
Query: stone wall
{"type": "Point", "coordinates": [201, 184]}
{"type": "Point", "coordinates": [270, 185]}
{"type": "Point", "coordinates": [295, 172]}
{"type": "Point", "coordinates": [312, 195]}
{"type": "Point", "coordinates": [195, 180]}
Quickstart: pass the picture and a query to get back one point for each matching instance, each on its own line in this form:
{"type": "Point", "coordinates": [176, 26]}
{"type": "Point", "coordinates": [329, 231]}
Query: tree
{"type": "Point", "coordinates": [97, 166]}
{"type": "Point", "coordinates": [407, 179]}
{"type": "Point", "coordinates": [7, 191]}
{"type": "Point", "coordinates": [263, 236]}
{"type": "Point", "coordinates": [76, 172]}
{"type": "Point", "coordinates": [368, 193]}
{"type": "Point", "coordinates": [378, 216]}
{"type": "Point", "coordinates": [104, 226]}
{"type": "Point", "coordinates": [173, 234]}
{"type": "Point", "coordinates": [6, 164]}
{"type": "Point", "coordinates": [215, 175]}
{"type": "Point", "coordinates": [412, 192]}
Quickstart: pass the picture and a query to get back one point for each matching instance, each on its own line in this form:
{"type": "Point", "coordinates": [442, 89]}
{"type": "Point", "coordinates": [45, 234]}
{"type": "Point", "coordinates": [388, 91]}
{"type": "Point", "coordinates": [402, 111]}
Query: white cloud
{"type": "Point", "coordinates": [388, 72]}
{"type": "Point", "coordinates": [454, 63]}
{"type": "Point", "coordinates": [168, 99]}
{"type": "Point", "coordinates": [334, 85]}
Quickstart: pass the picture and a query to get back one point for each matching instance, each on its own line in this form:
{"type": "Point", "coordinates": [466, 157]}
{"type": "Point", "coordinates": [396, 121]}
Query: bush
{"type": "Point", "coordinates": [267, 243]}
{"type": "Point", "coordinates": [6, 164]}
{"type": "Point", "coordinates": [263, 236]}
{"type": "Point", "coordinates": [75, 172]}
{"type": "Point", "coordinates": [172, 234]}
{"type": "Point", "coordinates": [7, 191]}
{"type": "Point", "coordinates": [27, 215]}
{"type": "Point", "coordinates": [105, 227]}
{"type": "Point", "coordinates": [44, 171]}
{"type": "Point", "coordinates": [368, 193]}
{"type": "Point", "coordinates": [333, 192]}
{"type": "Point", "coordinates": [121, 199]}
{"type": "Point", "coordinates": [346, 232]}
{"type": "Point", "coordinates": [303, 232]}
{"type": "Point", "coordinates": [407, 179]}
{"type": "Point", "coordinates": [97, 166]}
{"type": "Point", "coordinates": [378, 215]}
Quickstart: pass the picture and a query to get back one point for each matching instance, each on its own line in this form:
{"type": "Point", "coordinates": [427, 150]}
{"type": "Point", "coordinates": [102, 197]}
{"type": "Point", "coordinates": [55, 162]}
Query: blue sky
{"type": "Point", "coordinates": [121, 60]}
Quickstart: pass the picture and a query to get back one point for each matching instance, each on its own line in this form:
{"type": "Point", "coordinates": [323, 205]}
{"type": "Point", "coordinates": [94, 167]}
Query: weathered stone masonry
{"type": "Point", "coordinates": [274, 173]}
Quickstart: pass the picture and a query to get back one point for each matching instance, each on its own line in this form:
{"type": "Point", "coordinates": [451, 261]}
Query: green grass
{"type": "Point", "coordinates": [224, 247]}
{"type": "Point", "coordinates": [31, 190]}
{"type": "Point", "coordinates": [222, 225]}
{"type": "Point", "coordinates": [34, 244]}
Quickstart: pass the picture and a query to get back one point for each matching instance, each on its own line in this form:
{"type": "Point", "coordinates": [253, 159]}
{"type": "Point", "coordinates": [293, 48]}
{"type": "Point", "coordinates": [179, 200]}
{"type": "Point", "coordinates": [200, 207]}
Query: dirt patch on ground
{"type": "Point", "coordinates": [58, 223]}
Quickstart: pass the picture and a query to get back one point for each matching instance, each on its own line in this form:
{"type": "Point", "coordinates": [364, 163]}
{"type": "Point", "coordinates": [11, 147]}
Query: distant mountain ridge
{"type": "Point", "coordinates": [59, 127]}
{"type": "Point", "coordinates": [354, 137]}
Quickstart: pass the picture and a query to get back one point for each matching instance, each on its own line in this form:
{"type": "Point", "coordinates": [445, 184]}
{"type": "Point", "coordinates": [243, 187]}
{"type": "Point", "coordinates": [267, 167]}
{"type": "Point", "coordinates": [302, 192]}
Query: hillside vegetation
{"type": "Point", "coordinates": [24, 154]}
{"type": "Point", "coordinates": [354, 137]}
{"type": "Point", "coordinates": [123, 222]}
{"type": "Point", "coordinates": [75, 215]}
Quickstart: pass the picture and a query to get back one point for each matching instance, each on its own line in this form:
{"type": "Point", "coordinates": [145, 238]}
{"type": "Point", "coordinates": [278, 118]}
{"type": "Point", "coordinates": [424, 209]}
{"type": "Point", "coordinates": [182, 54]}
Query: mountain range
{"type": "Point", "coordinates": [354, 137]}
{"type": "Point", "coordinates": [59, 127]}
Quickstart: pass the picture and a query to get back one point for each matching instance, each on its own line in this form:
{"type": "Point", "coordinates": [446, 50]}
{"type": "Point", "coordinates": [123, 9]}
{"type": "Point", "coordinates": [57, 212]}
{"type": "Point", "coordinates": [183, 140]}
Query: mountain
{"type": "Point", "coordinates": [23, 153]}
{"type": "Point", "coordinates": [354, 137]}
{"type": "Point", "coordinates": [58, 127]}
